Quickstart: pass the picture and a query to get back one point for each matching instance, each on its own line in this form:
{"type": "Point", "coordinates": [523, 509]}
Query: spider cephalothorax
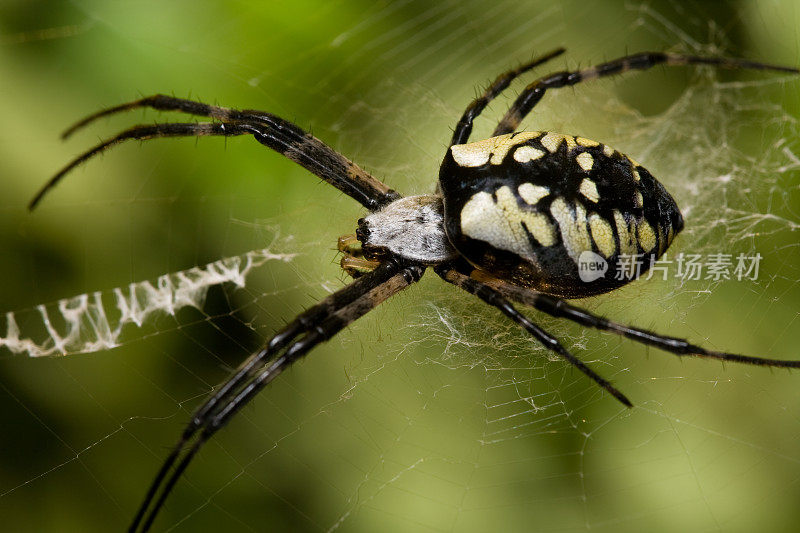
{"type": "Point", "coordinates": [514, 218]}
{"type": "Point", "coordinates": [412, 228]}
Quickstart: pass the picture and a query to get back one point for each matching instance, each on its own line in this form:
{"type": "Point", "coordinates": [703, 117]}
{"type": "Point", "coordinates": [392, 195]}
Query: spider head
{"type": "Point", "coordinates": [410, 228]}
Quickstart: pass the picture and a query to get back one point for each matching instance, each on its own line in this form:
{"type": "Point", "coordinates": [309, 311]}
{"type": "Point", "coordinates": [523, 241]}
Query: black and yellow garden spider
{"type": "Point", "coordinates": [512, 219]}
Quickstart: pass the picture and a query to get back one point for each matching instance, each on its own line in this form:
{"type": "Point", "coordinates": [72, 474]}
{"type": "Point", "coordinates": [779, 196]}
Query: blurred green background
{"type": "Point", "coordinates": [432, 413]}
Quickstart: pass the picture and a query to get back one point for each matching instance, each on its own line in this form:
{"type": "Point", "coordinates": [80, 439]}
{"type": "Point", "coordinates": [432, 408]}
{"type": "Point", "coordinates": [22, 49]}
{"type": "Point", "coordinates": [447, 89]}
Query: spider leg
{"type": "Point", "coordinates": [302, 323]}
{"type": "Point", "coordinates": [160, 102]}
{"type": "Point", "coordinates": [280, 135]}
{"type": "Point", "coordinates": [476, 107]}
{"type": "Point", "coordinates": [316, 325]}
{"type": "Point", "coordinates": [531, 95]}
{"type": "Point", "coordinates": [559, 308]}
{"type": "Point", "coordinates": [142, 133]}
{"type": "Point", "coordinates": [496, 299]}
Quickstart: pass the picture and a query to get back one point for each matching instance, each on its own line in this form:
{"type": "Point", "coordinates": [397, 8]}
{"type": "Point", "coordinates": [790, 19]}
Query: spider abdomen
{"type": "Point", "coordinates": [560, 214]}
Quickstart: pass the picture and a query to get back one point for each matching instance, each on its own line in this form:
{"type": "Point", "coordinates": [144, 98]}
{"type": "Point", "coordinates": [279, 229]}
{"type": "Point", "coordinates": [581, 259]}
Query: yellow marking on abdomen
{"type": "Point", "coordinates": [523, 154]}
{"type": "Point", "coordinates": [588, 188]}
{"type": "Point", "coordinates": [627, 242]}
{"type": "Point", "coordinates": [574, 233]}
{"type": "Point", "coordinates": [602, 234]}
{"type": "Point", "coordinates": [625, 231]}
{"type": "Point", "coordinates": [493, 149]}
{"type": "Point", "coordinates": [585, 160]}
{"type": "Point", "coordinates": [501, 224]}
{"type": "Point", "coordinates": [647, 237]}
{"type": "Point", "coordinates": [532, 193]}
{"type": "Point", "coordinates": [552, 141]}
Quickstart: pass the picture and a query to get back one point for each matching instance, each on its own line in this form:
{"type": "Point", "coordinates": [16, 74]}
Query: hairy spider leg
{"type": "Point", "coordinates": [531, 95]}
{"type": "Point", "coordinates": [559, 308]}
{"type": "Point", "coordinates": [317, 324]}
{"type": "Point", "coordinates": [464, 127]}
{"type": "Point", "coordinates": [302, 323]}
{"type": "Point", "coordinates": [493, 297]}
{"type": "Point", "coordinates": [281, 135]}
{"type": "Point", "coordinates": [142, 133]}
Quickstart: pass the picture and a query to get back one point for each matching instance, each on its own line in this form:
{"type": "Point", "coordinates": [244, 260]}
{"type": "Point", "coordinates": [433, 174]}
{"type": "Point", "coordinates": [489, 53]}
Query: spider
{"type": "Point", "coordinates": [512, 219]}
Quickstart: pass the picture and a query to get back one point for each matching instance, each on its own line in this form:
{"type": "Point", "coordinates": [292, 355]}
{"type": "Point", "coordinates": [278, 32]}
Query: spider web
{"type": "Point", "coordinates": [432, 413]}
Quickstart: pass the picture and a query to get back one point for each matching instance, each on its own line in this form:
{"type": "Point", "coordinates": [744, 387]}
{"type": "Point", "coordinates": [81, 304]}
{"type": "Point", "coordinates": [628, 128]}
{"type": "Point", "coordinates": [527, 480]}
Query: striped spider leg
{"type": "Point", "coordinates": [274, 132]}
{"type": "Point", "coordinates": [497, 293]}
{"type": "Point", "coordinates": [496, 299]}
{"type": "Point", "coordinates": [531, 95]}
{"type": "Point", "coordinates": [312, 327]}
